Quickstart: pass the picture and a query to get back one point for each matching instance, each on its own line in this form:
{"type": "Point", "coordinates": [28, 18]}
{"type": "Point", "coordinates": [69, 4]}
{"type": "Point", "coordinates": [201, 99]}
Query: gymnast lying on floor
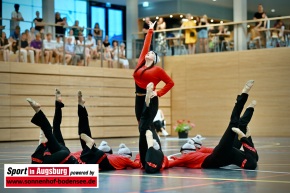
{"type": "Point", "coordinates": [227, 151]}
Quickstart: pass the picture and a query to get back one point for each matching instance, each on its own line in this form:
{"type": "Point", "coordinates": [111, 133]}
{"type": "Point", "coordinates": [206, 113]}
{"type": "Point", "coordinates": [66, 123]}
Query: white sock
{"type": "Point", "coordinates": [149, 138]}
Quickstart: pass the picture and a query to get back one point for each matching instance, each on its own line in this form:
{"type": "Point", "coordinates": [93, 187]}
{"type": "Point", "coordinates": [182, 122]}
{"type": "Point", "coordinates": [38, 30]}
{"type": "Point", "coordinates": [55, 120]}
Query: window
{"type": "Point", "coordinates": [72, 10]}
{"type": "Point", "coordinates": [98, 16]}
{"type": "Point", "coordinates": [27, 9]}
{"type": "Point", "coordinates": [111, 18]}
{"type": "Point", "coordinates": [115, 25]}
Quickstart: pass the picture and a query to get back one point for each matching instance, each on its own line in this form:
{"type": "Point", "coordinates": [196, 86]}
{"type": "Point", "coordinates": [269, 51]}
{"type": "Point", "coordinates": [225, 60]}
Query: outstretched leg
{"type": "Point", "coordinates": [39, 119]}
{"type": "Point", "coordinates": [222, 152]}
{"type": "Point", "coordinates": [83, 126]}
{"type": "Point", "coordinates": [146, 120]}
{"type": "Point", "coordinates": [58, 117]}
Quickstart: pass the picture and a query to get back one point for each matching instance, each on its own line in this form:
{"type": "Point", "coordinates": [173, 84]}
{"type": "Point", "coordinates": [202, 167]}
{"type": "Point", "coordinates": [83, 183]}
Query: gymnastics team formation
{"type": "Point", "coordinates": [53, 150]}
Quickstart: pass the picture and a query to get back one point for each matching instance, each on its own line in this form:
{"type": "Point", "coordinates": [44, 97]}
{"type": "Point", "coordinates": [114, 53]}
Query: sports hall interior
{"type": "Point", "coordinates": [204, 92]}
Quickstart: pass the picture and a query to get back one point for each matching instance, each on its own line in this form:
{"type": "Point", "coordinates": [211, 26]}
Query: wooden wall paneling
{"type": "Point", "coordinates": [178, 98]}
{"type": "Point", "coordinates": [81, 71]}
{"type": "Point", "coordinates": [5, 134]}
{"type": "Point", "coordinates": [81, 81]}
{"type": "Point", "coordinates": [4, 100]}
{"type": "Point", "coordinates": [212, 82]}
{"type": "Point", "coordinates": [34, 79]}
{"type": "Point", "coordinates": [5, 67]}
{"type": "Point", "coordinates": [4, 77]}
{"type": "Point", "coordinates": [28, 68]}
{"type": "Point", "coordinates": [109, 95]}
{"type": "Point", "coordinates": [5, 89]}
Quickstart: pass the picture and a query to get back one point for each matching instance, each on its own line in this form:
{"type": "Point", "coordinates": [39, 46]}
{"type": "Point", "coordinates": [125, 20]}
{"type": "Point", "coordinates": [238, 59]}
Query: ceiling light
{"type": "Point", "coordinates": [213, 0]}
{"type": "Point", "coordinates": [221, 22]}
{"type": "Point", "coordinates": [248, 26]}
{"type": "Point", "coordinates": [145, 4]}
{"type": "Point", "coordinates": [211, 20]}
{"type": "Point", "coordinates": [273, 10]}
{"type": "Point", "coordinates": [181, 16]}
{"type": "Point", "coordinates": [171, 16]}
{"type": "Point", "coordinates": [143, 19]}
{"type": "Point", "coordinates": [157, 17]}
{"type": "Point", "coordinates": [191, 17]}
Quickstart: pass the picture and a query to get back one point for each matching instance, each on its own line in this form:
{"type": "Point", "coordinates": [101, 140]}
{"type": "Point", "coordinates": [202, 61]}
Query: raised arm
{"type": "Point", "coordinates": [147, 43]}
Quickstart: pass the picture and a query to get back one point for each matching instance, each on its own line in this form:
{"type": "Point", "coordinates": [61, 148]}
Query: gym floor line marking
{"type": "Point", "coordinates": [183, 187]}
{"type": "Point", "coordinates": [16, 158]}
{"type": "Point", "coordinates": [197, 178]}
{"type": "Point", "coordinates": [263, 171]}
{"type": "Point", "coordinates": [205, 184]}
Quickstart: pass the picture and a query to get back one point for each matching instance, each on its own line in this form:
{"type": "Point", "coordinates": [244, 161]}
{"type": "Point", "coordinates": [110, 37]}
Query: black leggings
{"type": "Point", "coordinates": [93, 155]}
{"type": "Point", "coordinates": [83, 126]}
{"type": "Point", "coordinates": [58, 153]}
{"type": "Point", "coordinates": [154, 159]}
{"type": "Point", "coordinates": [57, 131]}
{"type": "Point", "coordinates": [243, 123]}
{"type": "Point", "coordinates": [224, 153]}
{"type": "Point", "coordinates": [139, 108]}
{"type": "Point", "coordinates": [57, 121]}
{"type": "Point", "coordinates": [145, 123]}
{"type": "Point", "coordinates": [248, 158]}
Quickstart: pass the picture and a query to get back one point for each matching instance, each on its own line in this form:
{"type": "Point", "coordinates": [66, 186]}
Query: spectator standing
{"type": "Point", "coordinates": [77, 29]}
{"type": "Point", "coordinates": [146, 29]}
{"type": "Point", "coordinates": [260, 24]}
{"type": "Point", "coordinates": [37, 22]}
{"type": "Point", "coordinates": [222, 31]}
{"type": "Point", "coordinates": [280, 26]}
{"type": "Point", "coordinates": [36, 46]}
{"type": "Point", "coordinates": [59, 30]}
{"type": "Point", "coordinates": [203, 35]}
{"type": "Point", "coordinates": [5, 46]}
{"type": "Point", "coordinates": [161, 25]}
{"type": "Point", "coordinates": [16, 16]}
{"type": "Point", "coordinates": [98, 33]}
{"type": "Point", "coordinates": [190, 34]}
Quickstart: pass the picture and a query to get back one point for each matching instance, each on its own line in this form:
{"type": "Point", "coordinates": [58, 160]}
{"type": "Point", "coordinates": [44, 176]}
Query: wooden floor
{"type": "Point", "coordinates": [272, 174]}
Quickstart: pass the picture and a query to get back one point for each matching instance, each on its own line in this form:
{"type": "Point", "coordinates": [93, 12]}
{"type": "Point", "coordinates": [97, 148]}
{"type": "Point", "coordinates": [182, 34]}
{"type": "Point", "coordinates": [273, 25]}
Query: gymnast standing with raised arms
{"type": "Point", "coordinates": [147, 72]}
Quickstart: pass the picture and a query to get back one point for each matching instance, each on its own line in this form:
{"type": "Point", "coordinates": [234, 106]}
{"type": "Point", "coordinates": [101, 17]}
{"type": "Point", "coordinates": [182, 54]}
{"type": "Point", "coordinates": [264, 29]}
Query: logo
{"type": "Point", "coordinates": [51, 176]}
